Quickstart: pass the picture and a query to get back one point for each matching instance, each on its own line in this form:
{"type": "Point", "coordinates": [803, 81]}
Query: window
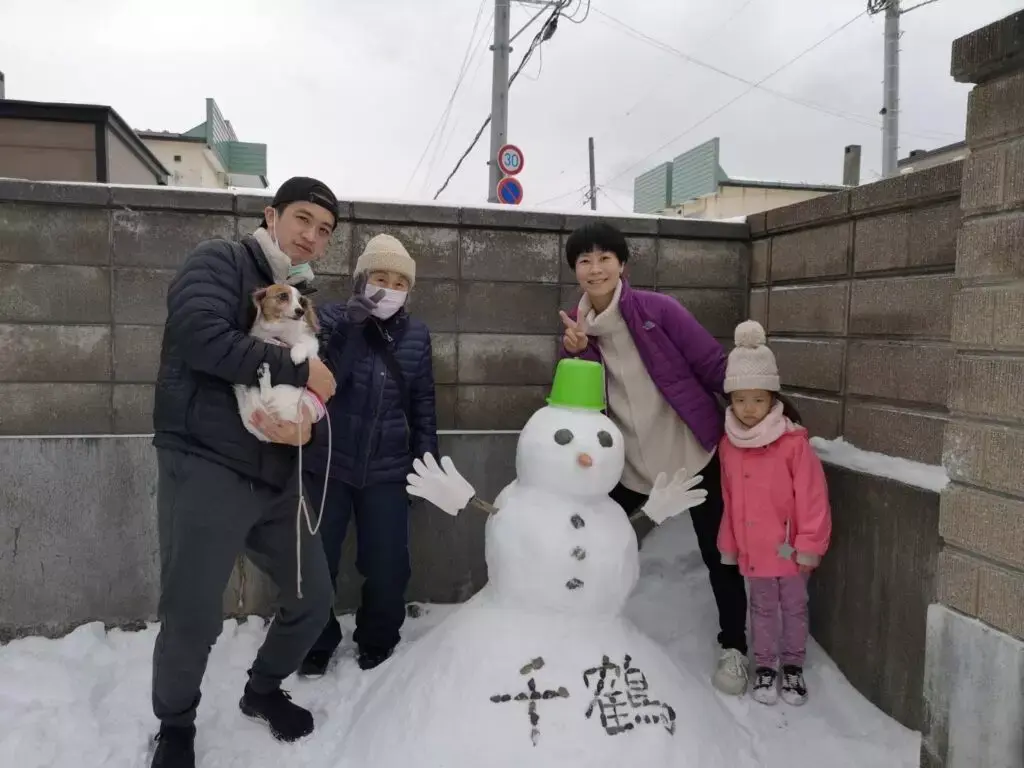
{"type": "Point", "coordinates": [177, 158]}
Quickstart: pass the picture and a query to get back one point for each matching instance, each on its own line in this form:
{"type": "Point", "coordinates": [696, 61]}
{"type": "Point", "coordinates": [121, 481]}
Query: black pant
{"type": "Point", "coordinates": [382, 557]}
{"type": "Point", "coordinates": [726, 580]}
{"type": "Point", "coordinates": [208, 516]}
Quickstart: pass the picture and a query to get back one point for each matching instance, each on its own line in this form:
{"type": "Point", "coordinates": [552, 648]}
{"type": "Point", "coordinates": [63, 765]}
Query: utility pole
{"type": "Point", "coordinates": [499, 94]}
{"type": "Point", "coordinates": [891, 79]}
{"type": "Point", "coordinates": [891, 111]}
{"type": "Point", "coordinates": [593, 178]}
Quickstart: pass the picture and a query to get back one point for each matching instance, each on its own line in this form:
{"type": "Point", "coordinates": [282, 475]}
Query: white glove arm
{"type": "Point", "coordinates": [668, 499]}
{"type": "Point", "coordinates": [442, 485]}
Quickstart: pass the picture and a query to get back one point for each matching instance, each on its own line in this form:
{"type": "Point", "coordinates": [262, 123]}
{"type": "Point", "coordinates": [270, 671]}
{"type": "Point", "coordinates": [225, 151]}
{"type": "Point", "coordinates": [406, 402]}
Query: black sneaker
{"type": "Point", "coordinates": [315, 664]}
{"type": "Point", "coordinates": [175, 748]}
{"type": "Point", "coordinates": [373, 657]}
{"type": "Point", "coordinates": [765, 685]}
{"type": "Point", "coordinates": [287, 721]}
{"type": "Point", "coordinates": [794, 689]}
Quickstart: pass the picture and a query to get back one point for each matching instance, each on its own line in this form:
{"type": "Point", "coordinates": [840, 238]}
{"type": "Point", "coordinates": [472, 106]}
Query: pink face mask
{"type": "Point", "coordinates": [389, 305]}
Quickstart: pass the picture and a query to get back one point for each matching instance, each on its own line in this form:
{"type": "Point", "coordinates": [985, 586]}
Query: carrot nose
{"type": "Point", "coordinates": [584, 460]}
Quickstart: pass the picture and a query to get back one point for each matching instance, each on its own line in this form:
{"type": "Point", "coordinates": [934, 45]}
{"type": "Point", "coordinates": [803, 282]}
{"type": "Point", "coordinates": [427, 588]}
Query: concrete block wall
{"type": "Point", "coordinates": [856, 293]}
{"type": "Point", "coordinates": [78, 534]}
{"type": "Point", "coordinates": [975, 668]}
{"type": "Point", "coordinates": [84, 271]}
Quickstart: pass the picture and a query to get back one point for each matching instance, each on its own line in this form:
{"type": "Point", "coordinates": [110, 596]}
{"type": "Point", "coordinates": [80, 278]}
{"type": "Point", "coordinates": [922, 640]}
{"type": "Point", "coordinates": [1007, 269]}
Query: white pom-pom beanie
{"type": "Point", "coordinates": [385, 253]}
{"type": "Point", "coordinates": [751, 364]}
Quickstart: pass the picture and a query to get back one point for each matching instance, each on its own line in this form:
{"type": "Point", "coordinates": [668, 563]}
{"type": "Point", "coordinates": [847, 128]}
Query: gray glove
{"type": "Point", "coordinates": [359, 307]}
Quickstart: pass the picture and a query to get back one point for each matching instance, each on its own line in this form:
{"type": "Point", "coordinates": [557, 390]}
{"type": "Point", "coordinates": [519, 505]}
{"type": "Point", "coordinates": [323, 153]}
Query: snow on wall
{"type": "Point", "coordinates": [843, 454]}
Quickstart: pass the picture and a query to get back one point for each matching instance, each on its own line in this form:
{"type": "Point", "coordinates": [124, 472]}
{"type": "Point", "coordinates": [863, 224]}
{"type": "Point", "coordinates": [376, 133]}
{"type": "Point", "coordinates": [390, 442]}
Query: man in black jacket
{"type": "Point", "coordinates": [220, 490]}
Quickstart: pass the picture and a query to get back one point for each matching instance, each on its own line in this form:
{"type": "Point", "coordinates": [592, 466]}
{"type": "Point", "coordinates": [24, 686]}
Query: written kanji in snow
{"type": "Point", "coordinates": [532, 695]}
{"type": "Point", "coordinates": [621, 698]}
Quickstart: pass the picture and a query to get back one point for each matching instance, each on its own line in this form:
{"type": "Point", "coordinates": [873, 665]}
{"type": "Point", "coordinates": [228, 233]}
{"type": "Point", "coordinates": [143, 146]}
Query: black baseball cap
{"type": "Point", "coordinates": [303, 189]}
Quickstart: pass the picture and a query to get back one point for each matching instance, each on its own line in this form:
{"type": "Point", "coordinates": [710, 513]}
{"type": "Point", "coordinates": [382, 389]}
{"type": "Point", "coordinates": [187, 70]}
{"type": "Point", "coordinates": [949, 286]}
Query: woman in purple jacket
{"type": "Point", "coordinates": [664, 373]}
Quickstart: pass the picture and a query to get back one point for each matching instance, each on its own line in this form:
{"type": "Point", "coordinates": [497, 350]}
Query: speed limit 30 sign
{"type": "Point", "coordinates": [510, 159]}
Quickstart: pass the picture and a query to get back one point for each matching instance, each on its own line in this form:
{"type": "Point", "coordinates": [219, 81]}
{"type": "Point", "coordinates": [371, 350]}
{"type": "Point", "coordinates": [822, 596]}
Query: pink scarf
{"type": "Point", "coordinates": [767, 431]}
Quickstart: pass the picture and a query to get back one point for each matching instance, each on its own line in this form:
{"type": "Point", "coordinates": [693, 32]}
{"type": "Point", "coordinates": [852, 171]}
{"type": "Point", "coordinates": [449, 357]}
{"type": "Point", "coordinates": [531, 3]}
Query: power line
{"type": "Point", "coordinates": [732, 17]}
{"type": "Point", "coordinates": [706, 39]}
{"type": "Point", "coordinates": [863, 120]}
{"type": "Point", "coordinates": [726, 105]}
{"type": "Point", "coordinates": [451, 99]}
{"type": "Point", "coordinates": [586, 13]}
{"type": "Point", "coordinates": [544, 33]}
{"type": "Point", "coordinates": [476, 62]}
{"type": "Point", "coordinates": [578, 189]}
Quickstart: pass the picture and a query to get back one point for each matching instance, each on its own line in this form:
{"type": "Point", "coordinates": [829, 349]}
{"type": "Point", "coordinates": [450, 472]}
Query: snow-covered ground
{"type": "Point", "coordinates": [83, 700]}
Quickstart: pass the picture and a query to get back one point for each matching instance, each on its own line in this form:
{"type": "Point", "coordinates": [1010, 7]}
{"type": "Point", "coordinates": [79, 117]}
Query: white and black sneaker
{"type": "Point", "coordinates": [766, 690]}
{"type": "Point", "coordinates": [731, 674]}
{"type": "Point", "coordinates": [794, 689]}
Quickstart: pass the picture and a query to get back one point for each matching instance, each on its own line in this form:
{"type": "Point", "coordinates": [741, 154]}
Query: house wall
{"type": "Point", "coordinates": [124, 166]}
{"type": "Point", "coordinates": [731, 201]}
{"type": "Point", "coordinates": [47, 150]}
{"type": "Point", "coordinates": [196, 168]}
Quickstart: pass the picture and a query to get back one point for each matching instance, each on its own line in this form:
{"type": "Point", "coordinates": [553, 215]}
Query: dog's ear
{"type": "Point", "coordinates": [309, 314]}
{"type": "Point", "coordinates": [258, 297]}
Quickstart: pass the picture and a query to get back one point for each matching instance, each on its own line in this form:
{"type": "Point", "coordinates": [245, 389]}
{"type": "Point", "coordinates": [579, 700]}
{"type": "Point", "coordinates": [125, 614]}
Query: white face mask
{"type": "Point", "coordinates": [392, 302]}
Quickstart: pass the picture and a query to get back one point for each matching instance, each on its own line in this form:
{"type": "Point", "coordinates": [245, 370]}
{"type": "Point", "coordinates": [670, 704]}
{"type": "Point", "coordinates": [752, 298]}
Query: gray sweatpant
{"type": "Point", "coordinates": [208, 515]}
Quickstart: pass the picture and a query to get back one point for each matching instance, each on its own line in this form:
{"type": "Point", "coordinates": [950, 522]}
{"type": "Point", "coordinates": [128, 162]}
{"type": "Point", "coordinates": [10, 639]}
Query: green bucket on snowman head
{"type": "Point", "coordinates": [578, 384]}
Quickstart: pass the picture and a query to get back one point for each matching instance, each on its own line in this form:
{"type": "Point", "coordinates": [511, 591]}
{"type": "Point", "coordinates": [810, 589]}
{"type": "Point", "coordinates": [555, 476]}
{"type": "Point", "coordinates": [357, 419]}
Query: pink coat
{"type": "Point", "coordinates": [764, 488]}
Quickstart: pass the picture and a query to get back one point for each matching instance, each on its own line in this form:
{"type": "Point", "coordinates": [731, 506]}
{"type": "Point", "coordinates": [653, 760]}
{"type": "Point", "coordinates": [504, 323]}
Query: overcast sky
{"type": "Point", "coordinates": [351, 90]}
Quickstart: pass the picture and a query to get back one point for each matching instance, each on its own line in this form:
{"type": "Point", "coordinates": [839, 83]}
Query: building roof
{"type": "Point", "coordinates": [917, 155]}
{"type": "Point", "coordinates": [733, 181]}
{"type": "Point", "coordinates": [85, 113]}
{"type": "Point", "coordinates": [170, 136]}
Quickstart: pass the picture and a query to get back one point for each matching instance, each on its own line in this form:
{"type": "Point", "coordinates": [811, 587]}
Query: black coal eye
{"type": "Point", "coordinates": [604, 439]}
{"type": "Point", "coordinates": [563, 437]}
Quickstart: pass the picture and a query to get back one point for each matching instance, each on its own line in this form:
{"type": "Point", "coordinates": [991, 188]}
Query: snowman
{"type": "Point", "coordinates": [541, 667]}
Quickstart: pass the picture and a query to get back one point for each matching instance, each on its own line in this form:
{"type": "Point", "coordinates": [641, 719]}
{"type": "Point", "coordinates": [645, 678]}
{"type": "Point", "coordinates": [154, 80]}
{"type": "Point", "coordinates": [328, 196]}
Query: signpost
{"type": "Point", "coordinates": [510, 163]}
{"type": "Point", "coordinates": [510, 191]}
{"type": "Point", "coordinates": [510, 160]}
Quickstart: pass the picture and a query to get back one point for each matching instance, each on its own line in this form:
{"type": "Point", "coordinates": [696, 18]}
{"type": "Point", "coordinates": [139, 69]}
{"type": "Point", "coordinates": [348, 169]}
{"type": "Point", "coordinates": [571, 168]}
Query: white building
{"type": "Point", "coordinates": [209, 155]}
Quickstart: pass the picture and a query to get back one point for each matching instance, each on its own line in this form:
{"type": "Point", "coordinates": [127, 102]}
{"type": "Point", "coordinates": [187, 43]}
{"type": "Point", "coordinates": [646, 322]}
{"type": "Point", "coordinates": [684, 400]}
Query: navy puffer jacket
{"type": "Point", "coordinates": [373, 440]}
{"type": "Point", "coordinates": [206, 349]}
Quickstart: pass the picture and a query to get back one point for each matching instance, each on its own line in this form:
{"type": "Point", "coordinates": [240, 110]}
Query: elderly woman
{"type": "Point", "coordinates": [664, 375]}
{"type": "Point", "coordinates": [382, 415]}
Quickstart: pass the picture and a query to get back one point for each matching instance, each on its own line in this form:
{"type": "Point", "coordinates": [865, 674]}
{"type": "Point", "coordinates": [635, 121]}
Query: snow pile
{"type": "Point", "coordinates": [841, 453]}
{"type": "Point", "coordinates": [84, 700]}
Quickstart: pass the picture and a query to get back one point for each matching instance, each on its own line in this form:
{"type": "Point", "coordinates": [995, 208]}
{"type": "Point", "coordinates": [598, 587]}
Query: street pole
{"type": "Point", "coordinates": [593, 179]}
{"type": "Point", "coordinates": [891, 88]}
{"type": "Point", "coordinates": [499, 94]}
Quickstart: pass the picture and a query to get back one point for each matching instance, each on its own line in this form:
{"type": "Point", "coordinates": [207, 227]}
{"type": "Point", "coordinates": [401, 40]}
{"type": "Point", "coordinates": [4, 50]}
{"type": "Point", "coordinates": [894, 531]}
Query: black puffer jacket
{"type": "Point", "coordinates": [206, 349]}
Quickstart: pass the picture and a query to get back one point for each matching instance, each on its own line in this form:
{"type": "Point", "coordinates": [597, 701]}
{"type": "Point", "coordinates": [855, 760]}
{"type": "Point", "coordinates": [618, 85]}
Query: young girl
{"type": "Point", "coordinates": [777, 522]}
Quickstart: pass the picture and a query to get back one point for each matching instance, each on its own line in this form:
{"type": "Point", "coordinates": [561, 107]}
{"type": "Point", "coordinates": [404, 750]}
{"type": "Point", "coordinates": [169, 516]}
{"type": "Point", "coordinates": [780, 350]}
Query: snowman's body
{"type": "Point", "coordinates": [561, 553]}
{"type": "Point", "coordinates": [540, 668]}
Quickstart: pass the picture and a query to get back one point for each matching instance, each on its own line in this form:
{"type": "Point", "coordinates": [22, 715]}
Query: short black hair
{"type": "Point", "coordinates": [596, 236]}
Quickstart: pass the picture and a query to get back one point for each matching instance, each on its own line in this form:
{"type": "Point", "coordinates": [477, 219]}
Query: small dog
{"type": "Point", "coordinates": [286, 318]}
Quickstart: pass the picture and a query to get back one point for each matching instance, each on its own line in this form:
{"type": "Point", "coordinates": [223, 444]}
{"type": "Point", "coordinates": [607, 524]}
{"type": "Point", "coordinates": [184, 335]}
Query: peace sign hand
{"type": "Point", "coordinates": [575, 337]}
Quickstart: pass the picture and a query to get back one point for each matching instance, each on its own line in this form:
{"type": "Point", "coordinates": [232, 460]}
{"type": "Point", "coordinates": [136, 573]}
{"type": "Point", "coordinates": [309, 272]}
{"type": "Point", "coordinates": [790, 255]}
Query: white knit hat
{"type": "Point", "coordinates": [751, 364]}
{"type": "Point", "coordinates": [385, 253]}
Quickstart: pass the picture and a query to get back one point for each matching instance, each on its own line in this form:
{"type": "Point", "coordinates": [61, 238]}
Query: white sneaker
{"type": "Point", "coordinates": [731, 676]}
{"type": "Point", "coordinates": [794, 689]}
{"type": "Point", "coordinates": [766, 689]}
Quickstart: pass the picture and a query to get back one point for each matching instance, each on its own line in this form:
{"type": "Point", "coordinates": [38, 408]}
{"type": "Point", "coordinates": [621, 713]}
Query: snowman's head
{"type": "Point", "coordinates": [570, 450]}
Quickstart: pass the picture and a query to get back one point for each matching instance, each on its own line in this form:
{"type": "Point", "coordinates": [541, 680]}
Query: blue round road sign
{"type": "Point", "coordinates": [510, 191]}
